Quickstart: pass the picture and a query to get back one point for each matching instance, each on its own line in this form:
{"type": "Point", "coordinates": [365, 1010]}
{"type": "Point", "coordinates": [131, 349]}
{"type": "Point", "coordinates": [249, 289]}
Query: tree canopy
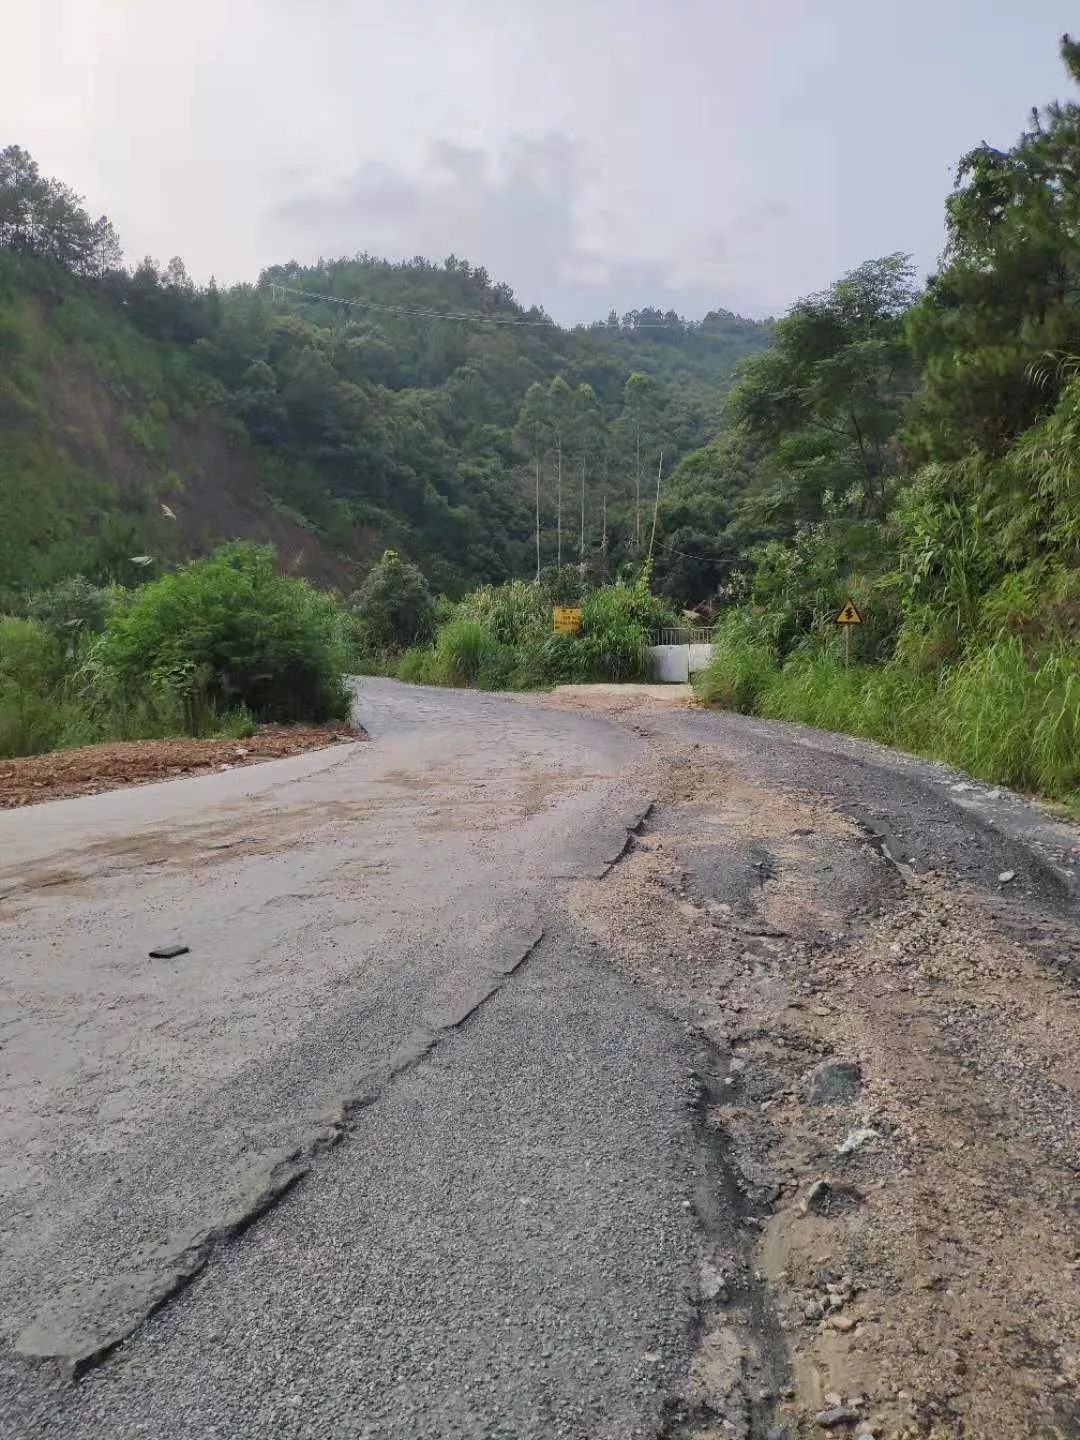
{"type": "Point", "coordinates": [39, 216]}
{"type": "Point", "coordinates": [397, 403]}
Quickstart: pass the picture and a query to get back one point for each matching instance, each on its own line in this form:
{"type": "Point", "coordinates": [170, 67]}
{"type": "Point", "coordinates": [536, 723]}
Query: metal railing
{"type": "Point", "coordinates": [682, 635]}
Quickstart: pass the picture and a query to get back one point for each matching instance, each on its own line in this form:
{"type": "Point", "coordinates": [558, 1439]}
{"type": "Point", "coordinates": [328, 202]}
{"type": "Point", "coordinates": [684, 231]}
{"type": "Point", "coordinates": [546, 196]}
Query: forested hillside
{"type": "Point", "coordinates": [920, 451]}
{"type": "Point", "coordinates": [147, 416]}
{"type": "Point", "coordinates": [912, 446]}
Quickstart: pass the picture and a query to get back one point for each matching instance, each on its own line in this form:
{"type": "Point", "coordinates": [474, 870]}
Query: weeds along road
{"type": "Point", "coordinates": [577, 1066]}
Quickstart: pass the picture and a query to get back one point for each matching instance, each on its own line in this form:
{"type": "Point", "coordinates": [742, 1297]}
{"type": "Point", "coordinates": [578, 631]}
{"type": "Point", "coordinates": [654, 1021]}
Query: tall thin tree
{"type": "Point", "coordinates": [637, 476]}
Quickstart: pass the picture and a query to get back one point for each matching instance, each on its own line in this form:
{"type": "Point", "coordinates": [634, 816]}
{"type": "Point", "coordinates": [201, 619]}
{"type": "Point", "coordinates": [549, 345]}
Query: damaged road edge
{"type": "Point", "coordinates": [741, 1361]}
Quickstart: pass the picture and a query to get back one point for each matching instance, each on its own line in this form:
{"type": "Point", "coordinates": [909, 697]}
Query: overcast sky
{"type": "Point", "coordinates": [591, 153]}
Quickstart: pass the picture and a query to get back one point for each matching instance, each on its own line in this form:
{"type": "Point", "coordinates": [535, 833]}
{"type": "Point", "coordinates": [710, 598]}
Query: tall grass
{"type": "Point", "coordinates": [203, 651]}
{"type": "Point", "coordinates": [1006, 712]}
{"type": "Point", "coordinates": [886, 703]}
{"type": "Point", "coordinates": [744, 663]}
{"type": "Point", "coordinates": [467, 654]}
{"type": "Point", "coordinates": [1010, 716]}
{"type": "Point", "coordinates": [464, 653]}
{"type": "Point", "coordinates": [33, 721]}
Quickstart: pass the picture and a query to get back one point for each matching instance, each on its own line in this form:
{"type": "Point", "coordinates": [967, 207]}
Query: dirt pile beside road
{"type": "Point", "coordinates": [89, 769]}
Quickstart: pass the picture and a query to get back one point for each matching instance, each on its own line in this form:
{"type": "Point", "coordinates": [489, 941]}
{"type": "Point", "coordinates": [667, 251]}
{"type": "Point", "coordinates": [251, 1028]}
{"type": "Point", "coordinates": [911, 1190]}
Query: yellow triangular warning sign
{"type": "Point", "coordinates": [849, 615]}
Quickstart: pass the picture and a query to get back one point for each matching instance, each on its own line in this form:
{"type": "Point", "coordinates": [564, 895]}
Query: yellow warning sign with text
{"type": "Point", "coordinates": [849, 615]}
{"type": "Point", "coordinates": [566, 619]}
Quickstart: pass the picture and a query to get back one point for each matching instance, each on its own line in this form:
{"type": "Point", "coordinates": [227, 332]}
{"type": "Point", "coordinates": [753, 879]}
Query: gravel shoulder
{"type": "Point", "coordinates": [895, 1083]}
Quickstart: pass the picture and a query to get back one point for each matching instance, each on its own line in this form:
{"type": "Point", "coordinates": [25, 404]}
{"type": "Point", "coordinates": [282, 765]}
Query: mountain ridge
{"type": "Point", "coordinates": [323, 428]}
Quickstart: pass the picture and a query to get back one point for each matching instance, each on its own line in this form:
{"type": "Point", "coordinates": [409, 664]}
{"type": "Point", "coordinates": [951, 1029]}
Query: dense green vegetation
{"type": "Point", "coordinates": [366, 417]}
{"type": "Point", "coordinates": [334, 409]}
{"type": "Point", "coordinates": [912, 446]}
{"type": "Point", "coordinates": [919, 452]}
{"type": "Point", "coordinates": [394, 606]}
{"type": "Point", "coordinates": [211, 648]}
{"type": "Point", "coordinates": [500, 637]}
{"type": "Point", "coordinates": [225, 642]}
{"type": "Point", "coordinates": [229, 632]}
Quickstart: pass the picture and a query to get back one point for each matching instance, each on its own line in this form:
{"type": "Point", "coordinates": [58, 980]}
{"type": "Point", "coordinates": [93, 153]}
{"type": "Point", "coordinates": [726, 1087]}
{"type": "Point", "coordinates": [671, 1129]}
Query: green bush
{"type": "Point", "coordinates": [419, 665]}
{"type": "Point", "coordinates": [562, 584]}
{"type": "Point", "coordinates": [32, 715]}
{"type": "Point", "coordinates": [238, 724]}
{"type": "Point", "coordinates": [31, 656]}
{"type": "Point", "coordinates": [500, 637]}
{"type": "Point", "coordinates": [615, 625]}
{"type": "Point", "coordinates": [395, 603]}
{"type": "Point", "coordinates": [31, 723]}
{"type": "Point", "coordinates": [104, 706]}
{"type": "Point", "coordinates": [515, 613]}
{"type": "Point", "coordinates": [227, 631]}
{"type": "Point", "coordinates": [50, 699]}
{"type": "Point", "coordinates": [72, 608]}
{"type": "Point", "coordinates": [554, 660]}
{"type": "Point", "coordinates": [629, 600]}
{"type": "Point", "coordinates": [499, 670]}
{"type": "Point", "coordinates": [364, 655]}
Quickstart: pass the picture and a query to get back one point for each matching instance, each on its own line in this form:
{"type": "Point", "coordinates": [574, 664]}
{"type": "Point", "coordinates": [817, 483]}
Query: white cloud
{"type": "Point", "coordinates": [591, 153]}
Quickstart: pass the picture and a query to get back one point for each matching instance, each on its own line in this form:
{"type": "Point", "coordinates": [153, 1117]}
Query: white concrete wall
{"type": "Point", "coordinates": [674, 664]}
{"type": "Point", "coordinates": [669, 664]}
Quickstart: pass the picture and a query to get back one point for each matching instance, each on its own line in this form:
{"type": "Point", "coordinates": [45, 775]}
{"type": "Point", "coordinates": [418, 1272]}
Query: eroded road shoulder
{"type": "Point", "coordinates": [894, 1081]}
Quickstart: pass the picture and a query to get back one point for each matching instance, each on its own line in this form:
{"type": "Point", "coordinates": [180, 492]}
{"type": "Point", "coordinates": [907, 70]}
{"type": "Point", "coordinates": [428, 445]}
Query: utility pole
{"type": "Point", "coordinates": [603, 530]}
{"type": "Point", "coordinates": [537, 458]}
{"type": "Point", "coordinates": [581, 543]}
{"type": "Point", "coordinates": [637, 479]}
{"type": "Point", "coordinates": [558, 505]}
{"type": "Point", "coordinates": [656, 507]}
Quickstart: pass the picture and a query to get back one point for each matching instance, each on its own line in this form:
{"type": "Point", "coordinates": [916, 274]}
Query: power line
{"type": "Point", "coordinates": [424, 314]}
{"type": "Point", "coordinates": [705, 559]}
{"type": "Point", "coordinates": [462, 316]}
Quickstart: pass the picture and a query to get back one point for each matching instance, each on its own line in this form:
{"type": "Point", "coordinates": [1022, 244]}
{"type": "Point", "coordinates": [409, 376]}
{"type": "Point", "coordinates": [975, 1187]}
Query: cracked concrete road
{"type": "Point", "coordinates": [446, 1126]}
{"type": "Point", "coordinates": [346, 912]}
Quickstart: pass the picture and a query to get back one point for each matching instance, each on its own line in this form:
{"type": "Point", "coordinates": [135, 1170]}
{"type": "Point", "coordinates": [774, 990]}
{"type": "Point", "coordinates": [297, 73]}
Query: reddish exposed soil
{"type": "Point", "coordinates": [91, 768]}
